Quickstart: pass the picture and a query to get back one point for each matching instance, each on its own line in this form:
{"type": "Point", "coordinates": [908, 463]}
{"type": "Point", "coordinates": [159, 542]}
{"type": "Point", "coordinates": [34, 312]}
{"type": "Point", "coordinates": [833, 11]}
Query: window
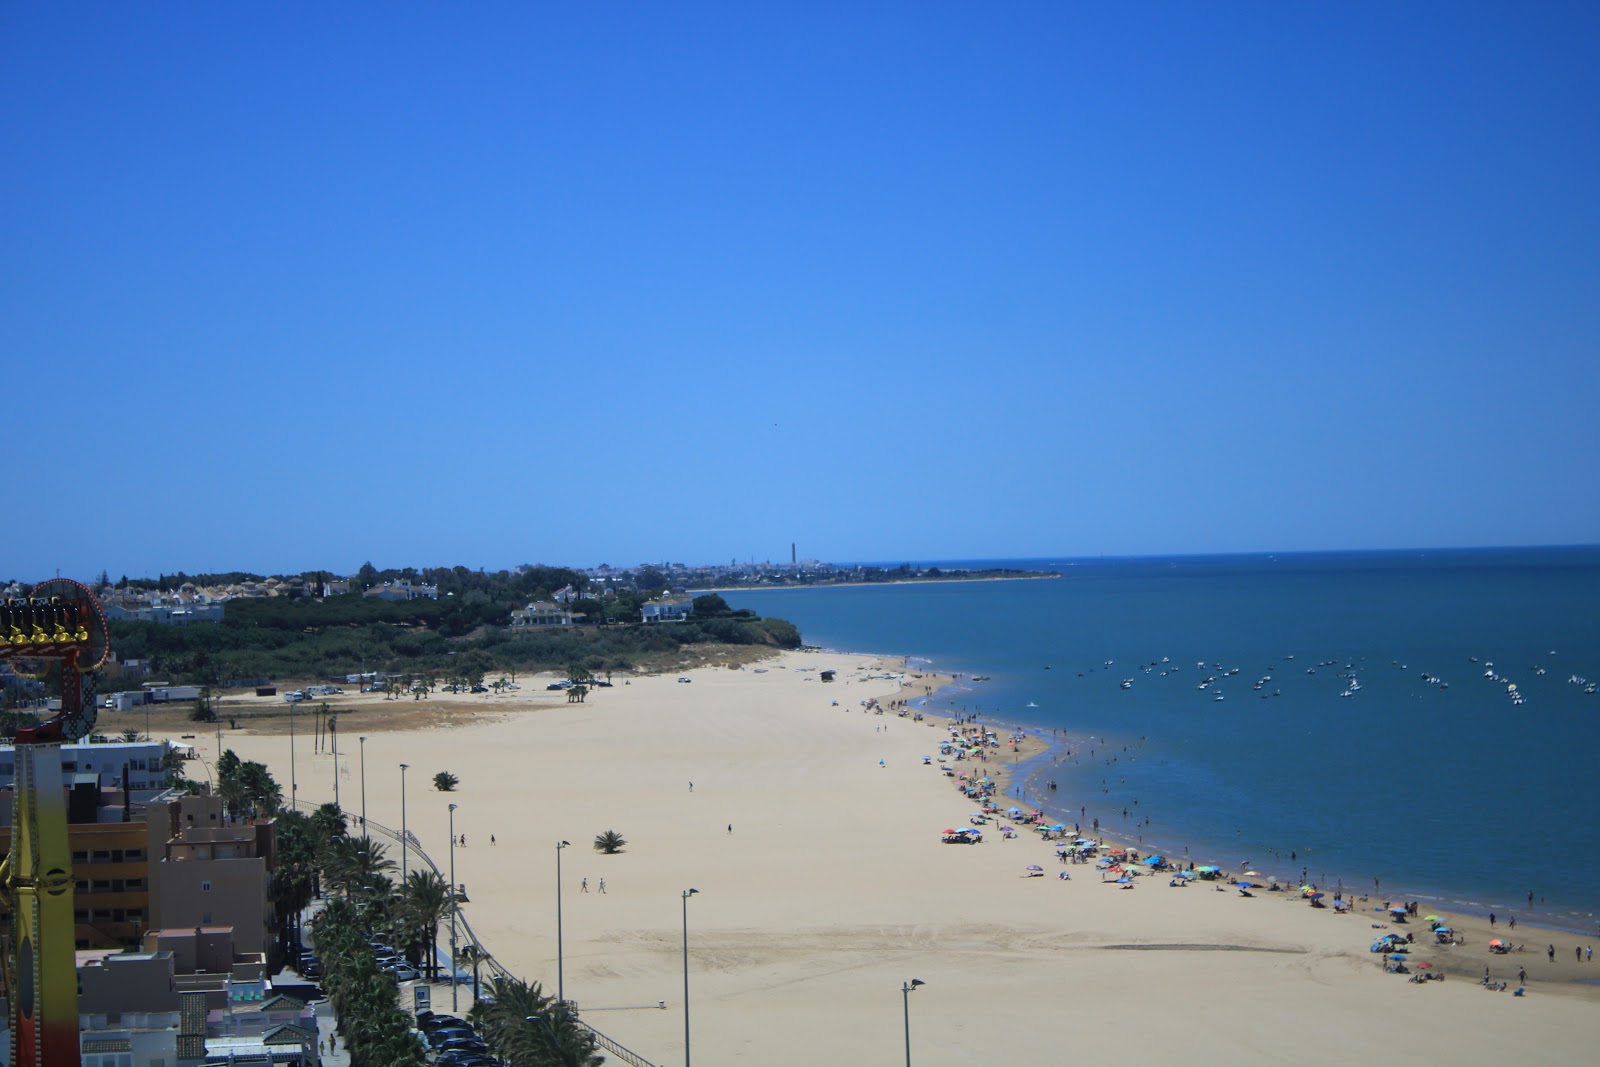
{"type": "Point", "coordinates": [205, 887]}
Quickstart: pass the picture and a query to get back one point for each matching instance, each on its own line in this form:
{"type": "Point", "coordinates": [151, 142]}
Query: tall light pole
{"type": "Point", "coordinates": [404, 837]}
{"type": "Point", "coordinates": [687, 893]}
{"type": "Point", "coordinates": [364, 785]}
{"type": "Point", "coordinates": [905, 997]}
{"type": "Point", "coordinates": [454, 903]}
{"type": "Point", "coordinates": [561, 989]}
{"type": "Point", "coordinates": [294, 786]}
{"type": "Point", "coordinates": [333, 735]}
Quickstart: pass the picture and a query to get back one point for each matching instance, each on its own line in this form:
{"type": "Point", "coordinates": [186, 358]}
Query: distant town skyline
{"type": "Point", "coordinates": [291, 288]}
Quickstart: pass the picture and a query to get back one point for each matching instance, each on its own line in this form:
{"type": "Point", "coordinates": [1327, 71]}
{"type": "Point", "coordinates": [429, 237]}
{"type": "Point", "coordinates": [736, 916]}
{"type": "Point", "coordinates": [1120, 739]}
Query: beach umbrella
{"type": "Point", "coordinates": [1034, 867]}
{"type": "Point", "coordinates": [1397, 956]}
{"type": "Point", "coordinates": [1315, 896]}
{"type": "Point", "coordinates": [1124, 881]}
{"type": "Point", "coordinates": [1247, 885]}
{"type": "Point", "coordinates": [1443, 930]}
{"type": "Point", "coordinates": [1430, 918]}
{"type": "Point", "coordinates": [1496, 943]}
{"type": "Point", "coordinates": [1154, 861]}
{"type": "Point", "coordinates": [1398, 909]}
{"type": "Point", "coordinates": [1424, 963]}
{"type": "Point", "coordinates": [1252, 874]}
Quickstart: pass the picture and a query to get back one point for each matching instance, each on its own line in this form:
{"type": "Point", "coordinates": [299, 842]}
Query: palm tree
{"type": "Point", "coordinates": [265, 796]}
{"type": "Point", "coordinates": [329, 821]}
{"type": "Point", "coordinates": [425, 902]}
{"type": "Point", "coordinates": [294, 875]}
{"type": "Point", "coordinates": [609, 843]}
{"type": "Point", "coordinates": [529, 1029]}
{"type": "Point", "coordinates": [359, 866]}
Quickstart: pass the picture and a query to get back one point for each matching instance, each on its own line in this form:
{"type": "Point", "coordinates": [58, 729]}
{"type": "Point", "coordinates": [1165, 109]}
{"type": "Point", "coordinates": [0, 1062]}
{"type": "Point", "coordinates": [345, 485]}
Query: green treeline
{"type": "Point", "coordinates": [464, 633]}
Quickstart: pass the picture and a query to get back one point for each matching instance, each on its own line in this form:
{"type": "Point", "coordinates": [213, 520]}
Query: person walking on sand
{"type": "Point", "coordinates": [491, 841]}
{"type": "Point", "coordinates": [1552, 953]}
{"type": "Point", "coordinates": [602, 885]}
{"type": "Point", "coordinates": [1522, 976]}
{"type": "Point", "coordinates": [585, 886]}
{"type": "Point", "coordinates": [730, 828]}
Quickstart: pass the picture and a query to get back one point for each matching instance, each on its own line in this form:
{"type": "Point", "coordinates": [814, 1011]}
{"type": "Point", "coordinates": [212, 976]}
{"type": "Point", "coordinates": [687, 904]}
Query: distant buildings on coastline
{"type": "Point", "coordinates": [196, 602]}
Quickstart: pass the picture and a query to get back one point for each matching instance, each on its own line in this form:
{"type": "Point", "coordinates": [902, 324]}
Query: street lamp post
{"type": "Point", "coordinates": [363, 740]}
{"type": "Point", "coordinates": [294, 786]}
{"type": "Point", "coordinates": [405, 838]}
{"type": "Point", "coordinates": [454, 903]}
{"type": "Point", "coordinates": [561, 989]}
{"type": "Point", "coordinates": [687, 893]}
{"type": "Point", "coordinates": [333, 735]}
{"type": "Point", "coordinates": [905, 996]}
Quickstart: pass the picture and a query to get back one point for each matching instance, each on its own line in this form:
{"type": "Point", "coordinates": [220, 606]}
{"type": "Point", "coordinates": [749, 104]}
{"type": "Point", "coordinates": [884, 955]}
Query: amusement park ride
{"type": "Point", "coordinates": [60, 626]}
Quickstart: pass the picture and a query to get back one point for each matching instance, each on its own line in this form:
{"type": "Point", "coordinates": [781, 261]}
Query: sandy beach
{"type": "Point", "coordinates": [810, 829]}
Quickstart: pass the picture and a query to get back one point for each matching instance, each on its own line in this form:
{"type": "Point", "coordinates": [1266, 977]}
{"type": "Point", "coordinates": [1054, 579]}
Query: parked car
{"type": "Point", "coordinates": [467, 1059]}
{"type": "Point", "coordinates": [428, 1022]}
{"type": "Point", "coordinates": [451, 1032]}
{"type": "Point", "coordinates": [480, 689]}
{"type": "Point", "coordinates": [559, 685]}
{"type": "Point", "coordinates": [685, 678]}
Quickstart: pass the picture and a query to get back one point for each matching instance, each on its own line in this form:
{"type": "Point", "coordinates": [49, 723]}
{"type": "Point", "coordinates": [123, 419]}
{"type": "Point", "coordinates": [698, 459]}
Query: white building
{"type": "Point", "coordinates": [667, 609]}
{"type": "Point", "coordinates": [142, 761]}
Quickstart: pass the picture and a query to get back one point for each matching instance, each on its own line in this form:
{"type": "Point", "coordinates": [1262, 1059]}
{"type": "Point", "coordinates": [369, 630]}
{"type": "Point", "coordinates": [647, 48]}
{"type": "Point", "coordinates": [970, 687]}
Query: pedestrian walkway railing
{"type": "Point", "coordinates": [481, 955]}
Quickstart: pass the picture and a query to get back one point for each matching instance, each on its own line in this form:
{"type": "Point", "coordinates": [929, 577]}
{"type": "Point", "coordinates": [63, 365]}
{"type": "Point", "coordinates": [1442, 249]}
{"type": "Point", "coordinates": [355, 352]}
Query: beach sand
{"type": "Point", "coordinates": [832, 889]}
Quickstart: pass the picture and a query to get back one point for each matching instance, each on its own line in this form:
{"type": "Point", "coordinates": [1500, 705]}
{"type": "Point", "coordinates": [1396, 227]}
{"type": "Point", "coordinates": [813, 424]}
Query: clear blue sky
{"type": "Point", "coordinates": [304, 285]}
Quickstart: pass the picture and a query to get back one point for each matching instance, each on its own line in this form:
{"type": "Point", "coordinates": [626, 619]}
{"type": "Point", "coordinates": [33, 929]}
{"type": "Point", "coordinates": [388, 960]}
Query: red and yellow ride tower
{"type": "Point", "coordinates": [58, 627]}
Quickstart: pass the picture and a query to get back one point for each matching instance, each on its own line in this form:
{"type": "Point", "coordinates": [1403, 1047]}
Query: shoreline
{"type": "Point", "coordinates": [811, 836]}
{"type": "Point", "coordinates": [1039, 576]}
{"type": "Point", "coordinates": [1068, 742]}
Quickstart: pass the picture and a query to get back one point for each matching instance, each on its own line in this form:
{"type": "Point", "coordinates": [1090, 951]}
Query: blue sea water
{"type": "Point", "coordinates": [1450, 793]}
